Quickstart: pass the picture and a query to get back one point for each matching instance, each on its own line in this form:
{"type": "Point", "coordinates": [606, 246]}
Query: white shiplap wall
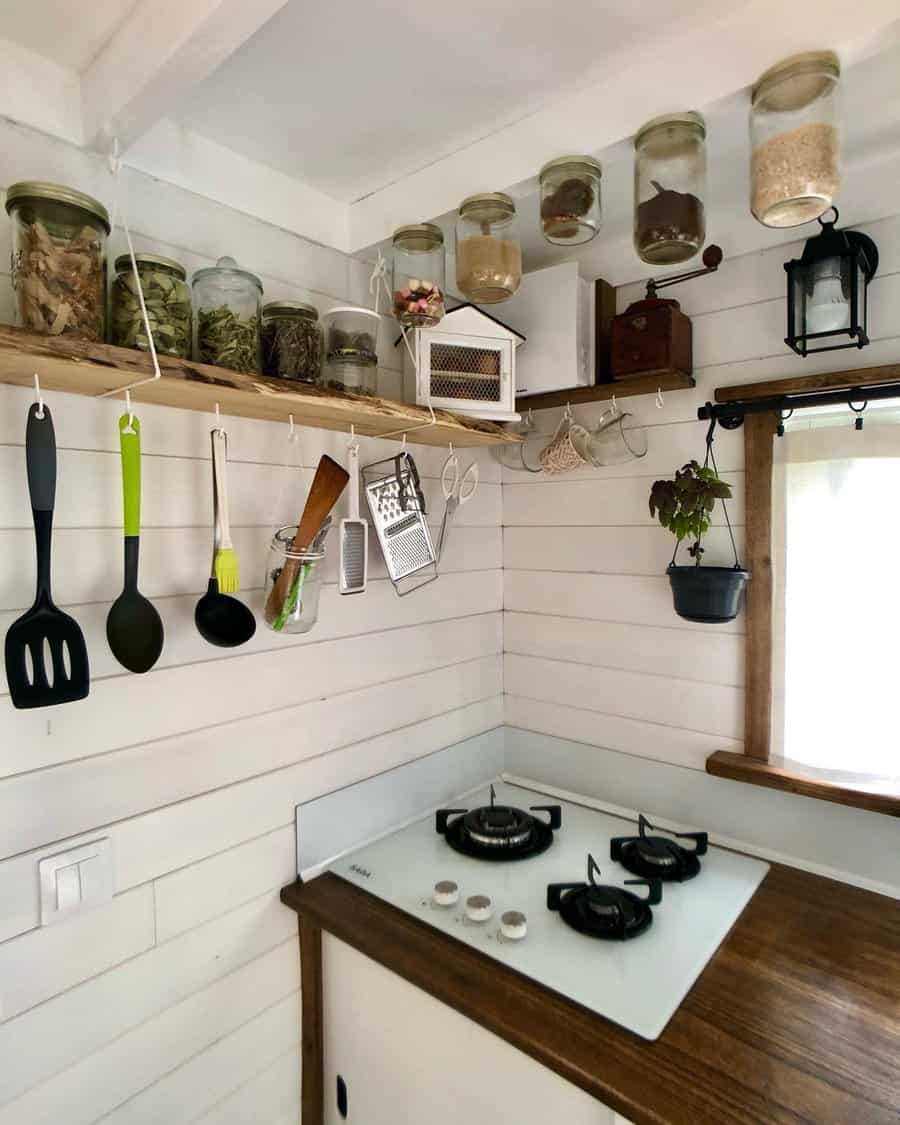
{"type": "Point", "coordinates": [594, 654]}
{"type": "Point", "coordinates": [177, 1002]}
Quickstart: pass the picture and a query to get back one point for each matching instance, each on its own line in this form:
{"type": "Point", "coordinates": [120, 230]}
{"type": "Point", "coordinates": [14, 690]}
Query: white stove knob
{"type": "Point", "coordinates": [513, 926]}
{"type": "Point", "coordinates": [478, 908]}
{"type": "Point", "coordinates": [445, 893]}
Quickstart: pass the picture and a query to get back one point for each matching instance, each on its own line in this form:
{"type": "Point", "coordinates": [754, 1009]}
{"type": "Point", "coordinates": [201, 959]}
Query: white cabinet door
{"type": "Point", "coordinates": [406, 1057]}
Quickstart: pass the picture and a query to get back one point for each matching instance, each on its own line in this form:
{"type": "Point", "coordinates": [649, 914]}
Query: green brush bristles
{"type": "Point", "coordinates": [228, 571]}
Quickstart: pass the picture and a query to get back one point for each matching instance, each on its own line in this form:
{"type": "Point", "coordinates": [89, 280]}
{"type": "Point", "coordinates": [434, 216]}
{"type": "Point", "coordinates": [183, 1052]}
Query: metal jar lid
{"type": "Point", "coordinates": [123, 263]}
{"type": "Point", "coordinates": [290, 308]}
{"type": "Point", "coordinates": [688, 118]}
{"type": "Point", "coordinates": [419, 236]}
{"type": "Point", "coordinates": [488, 207]}
{"type": "Point", "coordinates": [812, 74]}
{"type": "Point", "coordinates": [577, 163]}
{"type": "Point", "coordinates": [227, 266]}
{"type": "Point", "coordinates": [37, 190]}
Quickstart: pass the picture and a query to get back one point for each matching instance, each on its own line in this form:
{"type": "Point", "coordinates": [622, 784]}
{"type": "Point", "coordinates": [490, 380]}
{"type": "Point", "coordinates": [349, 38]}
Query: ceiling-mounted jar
{"type": "Point", "coordinates": [570, 200]}
{"type": "Point", "coordinates": [795, 165]}
{"type": "Point", "coordinates": [418, 273]}
{"type": "Point", "coordinates": [488, 253]}
{"type": "Point", "coordinates": [670, 188]}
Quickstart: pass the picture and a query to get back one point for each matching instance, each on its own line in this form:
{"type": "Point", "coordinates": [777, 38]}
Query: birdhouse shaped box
{"type": "Point", "coordinates": [467, 363]}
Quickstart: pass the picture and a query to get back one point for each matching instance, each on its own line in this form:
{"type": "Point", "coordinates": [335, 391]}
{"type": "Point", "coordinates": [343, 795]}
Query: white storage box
{"type": "Point", "coordinates": [467, 363]}
{"type": "Point", "coordinates": [554, 308]}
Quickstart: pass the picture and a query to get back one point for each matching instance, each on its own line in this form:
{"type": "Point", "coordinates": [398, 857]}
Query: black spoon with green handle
{"type": "Point", "coordinates": [134, 629]}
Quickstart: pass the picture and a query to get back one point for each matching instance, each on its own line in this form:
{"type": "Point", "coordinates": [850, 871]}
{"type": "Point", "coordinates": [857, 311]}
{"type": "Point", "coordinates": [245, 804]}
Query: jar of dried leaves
{"type": "Point", "coordinates": [167, 299]}
{"type": "Point", "coordinates": [227, 304]}
{"type": "Point", "coordinates": [292, 342]}
{"type": "Point", "coordinates": [58, 260]}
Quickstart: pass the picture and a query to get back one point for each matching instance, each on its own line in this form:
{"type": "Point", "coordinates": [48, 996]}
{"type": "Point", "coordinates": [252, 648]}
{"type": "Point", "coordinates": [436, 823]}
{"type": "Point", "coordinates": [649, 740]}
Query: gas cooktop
{"type": "Point", "coordinates": [658, 910]}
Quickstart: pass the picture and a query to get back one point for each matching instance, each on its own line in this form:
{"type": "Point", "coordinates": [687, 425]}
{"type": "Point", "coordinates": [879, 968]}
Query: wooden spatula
{"type": "Point", "coordinates": [328, 484]}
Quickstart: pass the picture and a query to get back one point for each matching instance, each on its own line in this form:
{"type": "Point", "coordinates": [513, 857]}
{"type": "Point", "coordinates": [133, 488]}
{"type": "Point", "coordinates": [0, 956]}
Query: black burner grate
{"type": "Point", "coordinates": [659, 857]}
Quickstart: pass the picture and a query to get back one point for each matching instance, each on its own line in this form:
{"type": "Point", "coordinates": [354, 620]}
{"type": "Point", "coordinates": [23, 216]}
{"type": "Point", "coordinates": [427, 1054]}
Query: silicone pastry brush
{"type": "Point", "coordinates": [225, 564]}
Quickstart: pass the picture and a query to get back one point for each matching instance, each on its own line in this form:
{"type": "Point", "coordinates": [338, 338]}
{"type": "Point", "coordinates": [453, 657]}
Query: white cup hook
{"type": "Point", "coordinates": [38, 398]}
{"type": "Point", "coordinates": [291, 430]}
{"type": "Point", "coordinates": [615, 407]}
{"type": "Point", "coordinates": [218, 418]}
{"type": "Point", "coordinates": [403, 444]}
{"type": "Point", "coordinates": [659, 398]}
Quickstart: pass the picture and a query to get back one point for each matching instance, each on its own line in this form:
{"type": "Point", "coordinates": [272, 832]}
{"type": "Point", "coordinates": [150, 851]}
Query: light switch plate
{"type": "Point", "coordinates": [75, 880]}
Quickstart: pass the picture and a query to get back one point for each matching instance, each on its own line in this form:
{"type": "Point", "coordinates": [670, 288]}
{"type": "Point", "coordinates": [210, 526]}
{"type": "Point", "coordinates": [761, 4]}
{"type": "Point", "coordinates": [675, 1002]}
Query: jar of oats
{"type": "Point", "coordinates": [795, 162]}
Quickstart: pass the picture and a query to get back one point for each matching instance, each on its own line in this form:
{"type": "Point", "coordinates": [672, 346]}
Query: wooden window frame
{"type": "Point", "coordinates": [755, 764]}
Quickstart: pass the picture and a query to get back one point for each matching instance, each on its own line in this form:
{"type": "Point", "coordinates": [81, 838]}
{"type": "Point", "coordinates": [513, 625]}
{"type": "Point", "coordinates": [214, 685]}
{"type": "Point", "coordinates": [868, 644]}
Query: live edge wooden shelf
{"type": "Point", "coordinates": [93, 369]}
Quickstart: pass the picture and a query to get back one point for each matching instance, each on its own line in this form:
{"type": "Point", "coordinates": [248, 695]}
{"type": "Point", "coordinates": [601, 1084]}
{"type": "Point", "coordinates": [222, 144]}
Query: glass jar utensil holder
{"type": "Point", "coordinates": [670, 188]}
{"type": "Point", "coordinates": [300, 610]}
{"type": "Point", "coordinates": [58, 260]}
{"type": "Point", "coordinates": [488, 252]}
{"type": "Point", "coordinates": [795, 161]}
{"type": "Point", "coordinates": [167, 299]}
{"type": "Point", "coordinates": [292, 341]}
{"type": "Point", "coordinates": [227, 304]}
{"type": "Point", "coordinates": [570, 200]}
{"type": "Point", "coordinates": [418, 275]}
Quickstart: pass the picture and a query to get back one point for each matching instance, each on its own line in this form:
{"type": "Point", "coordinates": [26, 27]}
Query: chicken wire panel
{"type": "Point", "coordinates": [467, 373]}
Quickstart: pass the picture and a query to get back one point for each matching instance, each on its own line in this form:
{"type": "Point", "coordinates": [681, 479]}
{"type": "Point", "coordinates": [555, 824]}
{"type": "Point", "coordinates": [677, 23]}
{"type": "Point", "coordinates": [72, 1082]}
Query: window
{"type": "Point", "coordinates": [822, 614]}
{"type": "Point", "coordinates": [836, 598]}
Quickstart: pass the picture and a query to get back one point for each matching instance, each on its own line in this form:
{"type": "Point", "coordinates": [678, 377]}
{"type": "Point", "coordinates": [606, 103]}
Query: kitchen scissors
{"type": "Point", "coordinates": [458, 488]}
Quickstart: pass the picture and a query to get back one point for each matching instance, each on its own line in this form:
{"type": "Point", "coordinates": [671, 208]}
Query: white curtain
{"type": "Point", "coordinates": [836, 555]}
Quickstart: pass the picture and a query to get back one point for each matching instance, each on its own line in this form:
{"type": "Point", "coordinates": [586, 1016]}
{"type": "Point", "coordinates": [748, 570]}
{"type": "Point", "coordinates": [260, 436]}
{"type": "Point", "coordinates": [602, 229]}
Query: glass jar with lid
{"type": "Point", "coordinates": [292, 341]}
{"type": "Point", "coordinates": [351, 358]}
{"type": "Point", "coordinates": [795, 163]}
{"type": "Point", "coordinates": [669, 188]}
{"type": "Point", "coordinates": [58, 260]}
{"type": "Point", "coordinates": [419, 275]}
{"type": "Point", "coordinates": [570, 200]}
{"type": "Point", "coordinates": [167, 299]}
{"type": "Point", "coordinates": [227, 312]}
{"type": "Point", "coordinates": [488, 253]}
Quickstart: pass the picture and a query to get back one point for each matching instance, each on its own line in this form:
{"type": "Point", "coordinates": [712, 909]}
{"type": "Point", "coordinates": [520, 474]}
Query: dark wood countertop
{"type": "Point", "coordinates": [796, 1019]}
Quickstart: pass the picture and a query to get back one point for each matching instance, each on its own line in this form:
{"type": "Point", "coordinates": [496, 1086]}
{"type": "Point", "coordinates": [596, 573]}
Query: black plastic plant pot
{"type": "Point", "coordinates": [708, 595]}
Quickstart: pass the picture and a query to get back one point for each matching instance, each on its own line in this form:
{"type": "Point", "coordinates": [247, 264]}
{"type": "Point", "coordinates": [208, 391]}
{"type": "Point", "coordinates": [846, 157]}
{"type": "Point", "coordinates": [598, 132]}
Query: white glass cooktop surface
{"type": "Point", "coordinates": [637, 983]}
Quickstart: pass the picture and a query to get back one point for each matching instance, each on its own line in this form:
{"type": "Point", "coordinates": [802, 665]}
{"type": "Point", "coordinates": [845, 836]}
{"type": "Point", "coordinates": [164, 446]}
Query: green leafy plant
{"type": "Point", "coordinates": [684, 504]}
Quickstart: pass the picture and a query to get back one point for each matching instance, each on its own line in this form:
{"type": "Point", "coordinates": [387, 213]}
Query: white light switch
{"type": "Point", "coordinates": [74, 880]}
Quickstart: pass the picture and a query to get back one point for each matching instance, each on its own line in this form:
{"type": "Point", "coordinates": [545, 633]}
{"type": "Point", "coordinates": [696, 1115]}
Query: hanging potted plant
{"type": "Point", "coordinates": [684, 505]}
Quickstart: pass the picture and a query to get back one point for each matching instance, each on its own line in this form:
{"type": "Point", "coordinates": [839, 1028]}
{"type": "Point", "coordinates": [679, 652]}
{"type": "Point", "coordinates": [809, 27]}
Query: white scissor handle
{"type": "Point", "coordinates": [469, 483]}
{"type": "Point", "coordinates": [450, 477]}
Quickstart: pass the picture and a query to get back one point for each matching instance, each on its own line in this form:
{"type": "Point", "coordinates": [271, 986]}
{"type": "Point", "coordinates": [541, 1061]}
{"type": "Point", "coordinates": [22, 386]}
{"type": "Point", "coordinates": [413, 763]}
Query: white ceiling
{"type": "Point", "coordinates": [65, 31]}
{"type": "Point", "coordinates": [350, 96]}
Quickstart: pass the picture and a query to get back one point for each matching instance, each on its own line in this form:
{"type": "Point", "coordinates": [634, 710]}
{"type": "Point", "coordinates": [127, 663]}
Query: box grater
{"type": "Point", "coordinates": [397, 505]}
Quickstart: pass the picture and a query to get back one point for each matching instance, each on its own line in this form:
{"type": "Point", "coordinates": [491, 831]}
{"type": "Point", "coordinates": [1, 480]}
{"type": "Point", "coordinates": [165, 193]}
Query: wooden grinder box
{"type": "Point", "coordinates": [652, 337]}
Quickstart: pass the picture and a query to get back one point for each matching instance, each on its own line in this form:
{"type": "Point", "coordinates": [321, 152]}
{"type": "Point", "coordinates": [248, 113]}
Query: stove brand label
{"type": "Point", "coordinates": [361, 871]}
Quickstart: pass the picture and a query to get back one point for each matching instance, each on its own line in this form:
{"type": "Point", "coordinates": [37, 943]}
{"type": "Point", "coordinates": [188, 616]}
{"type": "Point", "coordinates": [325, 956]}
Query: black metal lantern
{"type": "Point", "coordinates": [826, 299]}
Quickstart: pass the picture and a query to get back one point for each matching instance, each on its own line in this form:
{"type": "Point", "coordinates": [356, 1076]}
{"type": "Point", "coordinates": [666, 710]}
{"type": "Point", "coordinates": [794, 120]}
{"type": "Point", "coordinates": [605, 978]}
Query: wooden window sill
{"type": "Point", "coordinates": [879, 795]}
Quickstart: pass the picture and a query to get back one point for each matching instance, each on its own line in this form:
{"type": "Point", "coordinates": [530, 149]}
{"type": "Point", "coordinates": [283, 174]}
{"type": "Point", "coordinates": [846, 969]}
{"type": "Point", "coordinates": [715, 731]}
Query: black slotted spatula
{"type": "Point", "coordinates": [44, 631]}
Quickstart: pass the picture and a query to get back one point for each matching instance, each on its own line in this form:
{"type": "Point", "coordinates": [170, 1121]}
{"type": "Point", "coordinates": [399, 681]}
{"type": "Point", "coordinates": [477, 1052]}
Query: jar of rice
{"type": "Point", "coordinates": [795, 162]}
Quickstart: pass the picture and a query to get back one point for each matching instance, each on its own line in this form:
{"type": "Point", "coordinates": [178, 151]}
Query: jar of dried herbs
{"type": "Point", "coordinates": [669, 188]}
{"type": "Point", "coordinates": [58, 260]}
{"type": "Point", "coordinates": [292, 341]}
{"type": "Point", "coordinates": [166, 297]}
{"type": "Point", "coordinates": [227, 304]}
{"type": "Point", "coordinates": [570, 200]}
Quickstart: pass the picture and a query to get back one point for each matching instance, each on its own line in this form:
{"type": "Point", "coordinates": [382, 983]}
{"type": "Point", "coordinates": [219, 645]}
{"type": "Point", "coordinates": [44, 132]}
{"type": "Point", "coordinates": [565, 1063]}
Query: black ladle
{"type": "Point", "coordinates": [134, 629]}
{"type": "Point", "coordinates": [221, 619]}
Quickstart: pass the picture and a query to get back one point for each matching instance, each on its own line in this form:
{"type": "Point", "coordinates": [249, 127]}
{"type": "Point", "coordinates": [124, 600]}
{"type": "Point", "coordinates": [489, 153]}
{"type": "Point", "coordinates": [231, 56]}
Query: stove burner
{"type": "Point", "coordinates": [659, 857]}
{"type": "Point", "coordinates": [610, 913]}
{"type": "Point", "coordinates": [498, 832]}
